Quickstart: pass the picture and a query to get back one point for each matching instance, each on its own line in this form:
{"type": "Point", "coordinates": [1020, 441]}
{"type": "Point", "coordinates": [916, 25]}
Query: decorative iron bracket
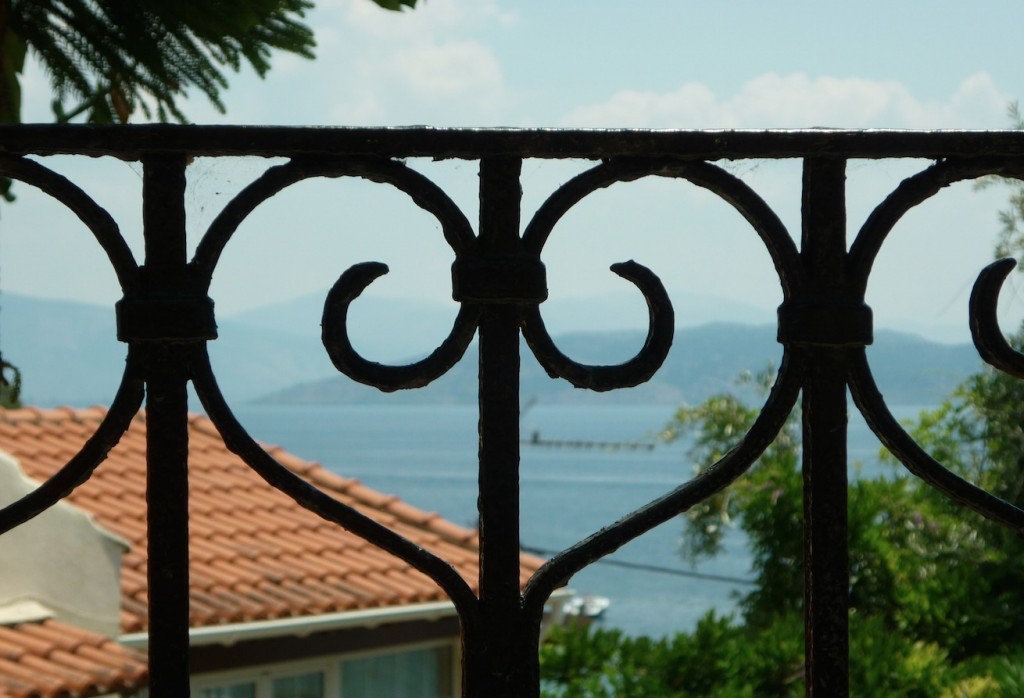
{"type": "Point", "coordinates": [508, 279]}
{"type": "Point", "coordinates": [829, 321]}
{"type": "Point", "coordinates": [165, 318]}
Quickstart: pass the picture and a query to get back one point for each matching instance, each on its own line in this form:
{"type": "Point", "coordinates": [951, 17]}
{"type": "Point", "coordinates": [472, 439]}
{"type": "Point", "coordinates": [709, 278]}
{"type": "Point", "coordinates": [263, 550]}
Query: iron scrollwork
{"type": "Point", "coordinates": [498, 279]}
{"type": "Point", "coordinates": [346, 289]}
{"type": "Point", "coordinates": [484, 277]}
{"type": "Point", "coordinates": [988, 337]}
{"type": "Point", "coordinates": [780, 401]}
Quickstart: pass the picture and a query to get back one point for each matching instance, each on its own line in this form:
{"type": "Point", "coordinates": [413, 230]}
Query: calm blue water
{"type": "Point", "coordinates": [427, 456]}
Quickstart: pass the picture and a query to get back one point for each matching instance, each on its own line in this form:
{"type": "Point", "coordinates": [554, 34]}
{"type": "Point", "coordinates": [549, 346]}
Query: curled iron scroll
{"type": "Point", "coordinates": [387, 378]}
{"type": "Point", "coordinates": [661, 317]}
{"type": "Point", "coordinates": [988, 337]}
{"type": "Point", "coordinates": [425, 194]}
{"type": "Point", "coordinates": [458, 234]}
{"type": "Point", "coordinates": [984, 328]}
{"type": "Point", "coordinates": [661, 327]}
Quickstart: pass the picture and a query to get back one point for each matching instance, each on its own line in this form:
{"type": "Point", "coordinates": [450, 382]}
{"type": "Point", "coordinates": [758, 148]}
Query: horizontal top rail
{"type": "Point", "coordinates": [131, 142]}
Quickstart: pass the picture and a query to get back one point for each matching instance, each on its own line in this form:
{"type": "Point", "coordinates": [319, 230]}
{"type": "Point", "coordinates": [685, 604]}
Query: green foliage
{"type": "Point", "coordinates": [767, 503]}
{"type": "Point", "coordinates": [396, 5]}
{"type": "Point", "coordinates": [718, 658]}
{"type": "Point", "coordinates": [10, 385]}
{"type": "Point", "coordinates": [724, 659]}
{"type": "Point", "coordinates": [107, 60]}
{"type": "Point", "coordinates": [976, 582]}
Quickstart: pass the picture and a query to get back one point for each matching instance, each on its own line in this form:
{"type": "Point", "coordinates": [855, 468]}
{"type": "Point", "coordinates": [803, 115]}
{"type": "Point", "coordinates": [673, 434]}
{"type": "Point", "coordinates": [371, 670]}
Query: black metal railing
{"type": "Point", "coordinates": [498, 278]}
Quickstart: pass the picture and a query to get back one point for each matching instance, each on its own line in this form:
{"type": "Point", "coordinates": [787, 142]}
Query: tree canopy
{"type": "Point", "coordinates": [110, 59]}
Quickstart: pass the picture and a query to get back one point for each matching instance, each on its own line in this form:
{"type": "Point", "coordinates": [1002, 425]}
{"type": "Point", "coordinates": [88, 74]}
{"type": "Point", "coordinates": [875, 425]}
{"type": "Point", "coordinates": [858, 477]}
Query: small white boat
{"type": "Point", "coordinates": [590, 606]}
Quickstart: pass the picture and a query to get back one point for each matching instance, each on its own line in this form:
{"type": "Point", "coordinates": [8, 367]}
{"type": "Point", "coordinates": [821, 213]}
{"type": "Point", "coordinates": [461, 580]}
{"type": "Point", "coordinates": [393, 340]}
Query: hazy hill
{"type": "Point", "coordinates": [68, 354]}
{"type": "Point", "coordinates": [391, 328]}
{"type": "Point", "coordinates": [704, 360]}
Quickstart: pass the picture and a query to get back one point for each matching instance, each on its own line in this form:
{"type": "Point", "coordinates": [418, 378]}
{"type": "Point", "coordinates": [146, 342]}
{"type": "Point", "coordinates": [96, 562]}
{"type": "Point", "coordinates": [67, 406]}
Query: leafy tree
{"type": "Point", "coordinates": [109, 59]}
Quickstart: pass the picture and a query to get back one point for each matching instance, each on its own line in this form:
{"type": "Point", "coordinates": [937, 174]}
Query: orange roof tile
{"type": "Point", "coordinates": [255, 553]}
{"type": "Point", "coordinates": [51, 659]}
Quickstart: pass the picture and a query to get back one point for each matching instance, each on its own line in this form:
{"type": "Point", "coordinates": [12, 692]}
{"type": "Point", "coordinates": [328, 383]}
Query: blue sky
{"type": "Point", "coordinates": [651, 64]}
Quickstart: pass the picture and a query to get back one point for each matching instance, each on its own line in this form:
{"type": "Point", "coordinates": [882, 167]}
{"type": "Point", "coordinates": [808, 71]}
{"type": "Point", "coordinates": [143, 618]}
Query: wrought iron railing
{"type": "Point", "coordinates": [498, 278]}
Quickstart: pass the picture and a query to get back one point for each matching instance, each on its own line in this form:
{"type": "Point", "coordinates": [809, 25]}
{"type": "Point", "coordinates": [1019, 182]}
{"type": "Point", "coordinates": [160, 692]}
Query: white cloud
{"type": "Point", "coordinates": [440, 71]}
{"type": "Point", "coordinates": [426, 82]}
{"type": "Point", "coordinates": [424, 66]}
{"type": "Point", "coordinates": [799, 101]}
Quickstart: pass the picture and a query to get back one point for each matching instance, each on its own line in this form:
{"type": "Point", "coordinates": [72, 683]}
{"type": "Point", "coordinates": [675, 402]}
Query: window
{"type": "Point", "coordinates": [423, 671]}
{"type": "Point", "coordinates": [237, 690]}
{"type": "Point", "coordinates": [272, 685]}
{"type": "Point", "coordinates": [301, 686]}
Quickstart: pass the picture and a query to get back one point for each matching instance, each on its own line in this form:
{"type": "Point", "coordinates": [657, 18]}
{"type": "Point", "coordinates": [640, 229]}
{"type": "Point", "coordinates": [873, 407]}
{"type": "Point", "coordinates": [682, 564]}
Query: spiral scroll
{"type": "Point", "coordinates": [774, 413]}
{"type": "Point", "coordinates": [661, 328]}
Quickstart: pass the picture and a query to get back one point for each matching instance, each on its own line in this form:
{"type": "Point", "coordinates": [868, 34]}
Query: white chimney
{"type": "Point", "coordinates": [61, 560]}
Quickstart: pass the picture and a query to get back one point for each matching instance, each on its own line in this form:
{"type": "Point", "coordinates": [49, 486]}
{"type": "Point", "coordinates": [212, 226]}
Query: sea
{"type": "Point", "coordinates": [582, 468]}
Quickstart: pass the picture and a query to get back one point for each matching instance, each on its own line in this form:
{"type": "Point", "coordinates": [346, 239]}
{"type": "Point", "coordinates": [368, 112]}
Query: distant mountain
{"type": "Point", "coordinates": [383, 328]}
{"type": "Point", "coordinates": [391, 328]}
{"type": "Point", "coordinates": [705, 360]}
{"type": "Point", "coordinates": [69, 354]}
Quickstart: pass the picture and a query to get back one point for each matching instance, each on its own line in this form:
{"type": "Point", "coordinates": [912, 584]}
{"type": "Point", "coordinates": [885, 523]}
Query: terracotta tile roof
{"type": "Point", "coordinates": [50, 659]}
{"type": "Point", "coordinates": [255, 554]}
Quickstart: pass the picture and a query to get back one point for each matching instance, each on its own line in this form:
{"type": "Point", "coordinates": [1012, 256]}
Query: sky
{"type": "Point", "coordinates": [572, 64]}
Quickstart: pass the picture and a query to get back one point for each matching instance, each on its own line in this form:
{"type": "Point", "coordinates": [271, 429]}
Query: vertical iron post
{"type": "Point", "coordinates": [826, 558]}
{"type": "Point", "coordinates": [501, 666]}
{"type": "Point", "coordinates": [165, 277]}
